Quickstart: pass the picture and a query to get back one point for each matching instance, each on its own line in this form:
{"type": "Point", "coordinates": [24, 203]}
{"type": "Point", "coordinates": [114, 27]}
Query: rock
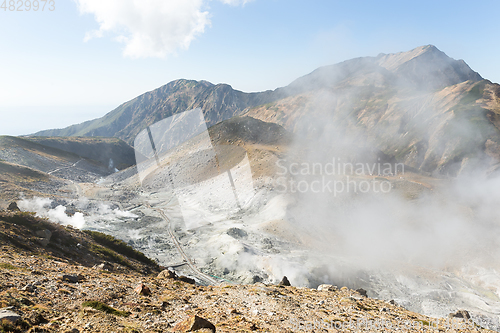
{"type": "Point", "coordinates": [105, 266]}
{"type": "Point", "coordinates": [362, 292]}
{"type": "Point", "coordinates": [167, 274]}
{"type": "Point", "coordinates": [38, 329]}
{"type": "Point", "coordinates": [35, 318]}
{"type": "Point", "coordinates": [72, 278]}
{"type": "Point", "coordinates": [186, 279]}
{"type": "Point", "coordinates": [142, 289]}
{"type": "Point", "coordinates": [13, 207]}
{"type": "Point", "coordinates": [237, 233]}
{"type": "Point", "coordinates": [8, 315]}
{"type": "Point", "coordinates": [194, 323]}
{"type": "Point", "coordinates": [25, 301]}
{"type": "Point", "coordinates": [460, 314]}
{"type": "Point", "coordinates": [43, 241]}
{"type": "Point", "coordinates": [45, 233]}
{"type": "Point", "coordinates": [285, 282]}
{"type": "Point", "coordinates": [327, 287]}
{"type": "Point", "coordinates": [256, 279]}
{"type": "Point", "coordinates": [29, 288]}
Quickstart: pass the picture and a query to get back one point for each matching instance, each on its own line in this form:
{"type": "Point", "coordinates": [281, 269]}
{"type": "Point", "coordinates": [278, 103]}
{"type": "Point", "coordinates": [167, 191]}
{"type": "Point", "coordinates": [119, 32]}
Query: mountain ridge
{"type": "Point", "coordinates": [221, 101]}
{"type": "Point", "coordinates": [390, 99]}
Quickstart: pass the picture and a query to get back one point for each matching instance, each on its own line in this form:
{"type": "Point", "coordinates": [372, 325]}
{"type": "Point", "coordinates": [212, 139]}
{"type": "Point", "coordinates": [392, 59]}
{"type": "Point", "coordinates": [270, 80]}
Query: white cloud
{"type": "Point", "coordinates": [150, 28]}
{"type": "Point", "coordinates": [235, 2]}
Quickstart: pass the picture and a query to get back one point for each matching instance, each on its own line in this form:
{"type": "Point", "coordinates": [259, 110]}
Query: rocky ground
{"type": "Point", "coordinates": [60, 279]}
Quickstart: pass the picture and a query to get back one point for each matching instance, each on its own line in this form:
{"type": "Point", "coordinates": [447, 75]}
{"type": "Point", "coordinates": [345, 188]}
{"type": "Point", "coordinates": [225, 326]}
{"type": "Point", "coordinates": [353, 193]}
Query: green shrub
{"type": "Point", "coordinates": [111, 255]}
{"type": "Point", "coordinates": [105, 308]}
{"type": "Point", "coordinates": [7, 266]}
{"type": "Point", "coordinates": [119, 246]}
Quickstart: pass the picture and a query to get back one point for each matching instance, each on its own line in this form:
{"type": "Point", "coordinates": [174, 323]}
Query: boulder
{"type": "Point", "coordinates": [237, 233]}
{"type": "Point", "coordinates": [105, 266]}
{"type": "Point", "coordinates": [43, 241]}
{"type": "Point", "coordinates": [362, 292]}
{"type": "Point", "coordinates": [167, 274]}
{"type": "Point", "coordinates": [7, 315]}
{"type": "Point", "coordinates": [285, 282]}
{"type": "Point", "coordinates": [13, 207]}
{"type": "Point", "coordinates": [327, 287]}
{"type": "Point", "coordinates": [460, 314]}
{"type": "Point", "coordinates": [72, 278]}
{"type": "Point", "coordinates": [194, 323]}
{"type": "Point", "coordinates": [45, 233]}
{"type": "Point", "coordinates": [29, 288]}
{"type": "Point", "coordinates": [186, 279]}
{"type": "Point", "coordinates": [143, 290]}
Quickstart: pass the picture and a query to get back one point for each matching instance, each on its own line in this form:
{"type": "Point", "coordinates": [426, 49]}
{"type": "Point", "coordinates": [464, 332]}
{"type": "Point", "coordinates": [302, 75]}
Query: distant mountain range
{"type": "Point", "coordinates": [421, 107]}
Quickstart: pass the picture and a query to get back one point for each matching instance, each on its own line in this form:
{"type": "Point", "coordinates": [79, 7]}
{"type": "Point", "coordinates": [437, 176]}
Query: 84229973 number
{"type": "Point", "coordinates": [27, 5]}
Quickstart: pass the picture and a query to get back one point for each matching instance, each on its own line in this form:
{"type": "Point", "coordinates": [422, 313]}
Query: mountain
{"type": "Point", "coordinates": [218, 102]}
{"type": "Point", "coordinates": [420, 107]}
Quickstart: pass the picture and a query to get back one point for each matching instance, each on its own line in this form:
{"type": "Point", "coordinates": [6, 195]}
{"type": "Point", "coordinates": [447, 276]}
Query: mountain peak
{"type": "Point", "coordinates": [392, 61]}
{"type": "Point", "coordinates": [427, 67]}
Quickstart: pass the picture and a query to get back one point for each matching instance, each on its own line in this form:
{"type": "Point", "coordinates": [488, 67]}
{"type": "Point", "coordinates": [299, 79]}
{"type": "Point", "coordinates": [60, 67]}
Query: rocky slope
{"type": "Point", "coordinates": [45, 166]}
{"type": "Point", "coordinates": [58, 279]}
{"type": "Point", "coordinates": [111, 152]}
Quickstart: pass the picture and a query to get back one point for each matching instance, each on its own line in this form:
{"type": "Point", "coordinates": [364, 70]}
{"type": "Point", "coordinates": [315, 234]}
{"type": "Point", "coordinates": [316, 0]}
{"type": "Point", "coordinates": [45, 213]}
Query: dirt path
{"type": "Point", "coordinates": [71, 166]}
{"type": "Point", "coordinates": [202, 276]}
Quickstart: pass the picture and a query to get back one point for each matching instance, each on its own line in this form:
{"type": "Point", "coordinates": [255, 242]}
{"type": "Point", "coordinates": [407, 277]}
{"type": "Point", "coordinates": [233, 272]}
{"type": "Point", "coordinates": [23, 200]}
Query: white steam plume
{"type": "Point", "coordinates": [41, 206]}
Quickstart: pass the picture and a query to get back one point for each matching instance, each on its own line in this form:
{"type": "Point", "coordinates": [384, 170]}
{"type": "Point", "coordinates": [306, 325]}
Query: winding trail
{"type": "Point", "coordinates": [71, 166]}
{"type": "Point", "coordinates": [202, 276]}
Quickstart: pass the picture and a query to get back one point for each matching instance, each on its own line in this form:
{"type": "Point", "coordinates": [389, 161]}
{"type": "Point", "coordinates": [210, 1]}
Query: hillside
{"type": "Point", "coordinates": [103, 150]}
{"type": "Point", "coordinates": [16, 179]}
{"type": "Point", "coordinates": [39, 168]}
{"type": "Point", "coordinates": [58, 279]}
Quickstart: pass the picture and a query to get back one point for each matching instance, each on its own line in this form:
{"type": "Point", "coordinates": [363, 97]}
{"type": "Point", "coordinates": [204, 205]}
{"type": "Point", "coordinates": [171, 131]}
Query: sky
{"type": "Point", "coordinates": [76, 60]}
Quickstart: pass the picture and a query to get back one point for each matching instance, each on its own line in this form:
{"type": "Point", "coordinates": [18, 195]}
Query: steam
{"type": "Point", "coordinates": [96, 214]}
{"type": "Point", "coordinates": [447, 225]}
{"type": "Point", "coordinates": [359, 114]}
{"type": "Point", "coordinates": [42, 208]}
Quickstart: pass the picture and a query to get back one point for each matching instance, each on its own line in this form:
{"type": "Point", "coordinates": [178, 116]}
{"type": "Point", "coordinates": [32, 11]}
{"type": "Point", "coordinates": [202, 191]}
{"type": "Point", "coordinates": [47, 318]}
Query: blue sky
{"type": "Point", "coordinates": [86, 57]}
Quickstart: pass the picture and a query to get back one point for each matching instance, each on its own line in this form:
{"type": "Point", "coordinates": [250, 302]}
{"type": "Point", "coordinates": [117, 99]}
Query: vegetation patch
{"type": "Point", "coordinates": [105, 308]}
{"type": "Point", "coordinates": [27, 219]}
{"type": "Point", "coordinates": [120, 247]}
{"type": "Point", "coordinates": [110, 255]}
{"type": "Point", "coordinates": [6, 265]}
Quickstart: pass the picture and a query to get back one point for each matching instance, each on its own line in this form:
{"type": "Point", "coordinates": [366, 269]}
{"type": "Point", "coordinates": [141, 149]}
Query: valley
{"type": "Point", "coordinates": [200, 192]}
